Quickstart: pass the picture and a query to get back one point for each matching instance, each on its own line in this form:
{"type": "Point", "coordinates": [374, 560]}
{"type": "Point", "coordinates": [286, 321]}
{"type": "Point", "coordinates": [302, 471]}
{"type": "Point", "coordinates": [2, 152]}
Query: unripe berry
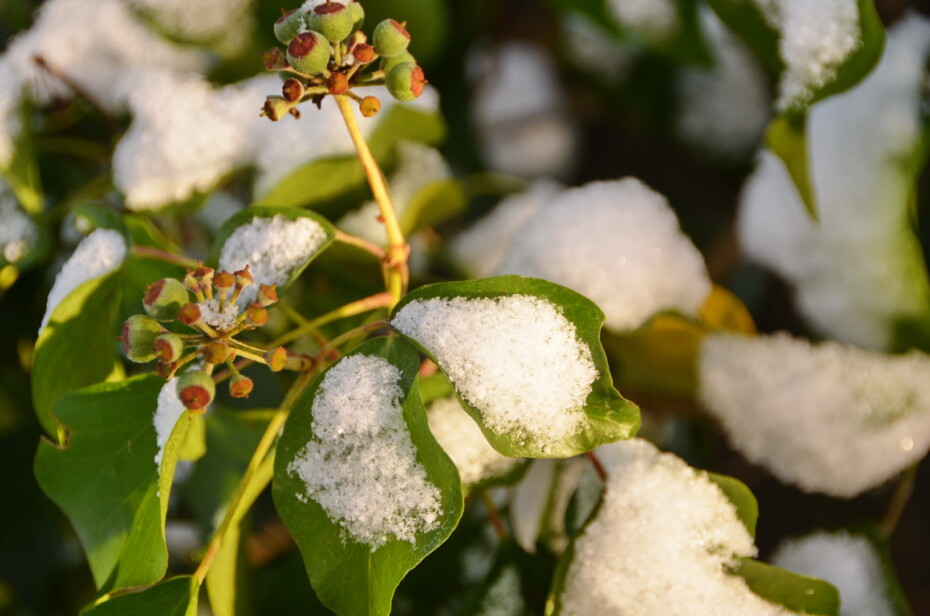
{"type": "Point", "coordinates": [331, 19]}
{"type": "Point", "coordinates": [164, 298]}
{"type": "Point", "coordinates": [189, 314]}
{"type": "Point", "coordinates": [243, 277]}
{"type": "Point", "coordinates": [240, 386]}
{"type": "Point", "coordinates": [292, 90]}
{"type": "Point", "coordinates": [309, 53]}
{"type": "Point", "coordinates": [364, 53]}
{"type": "Point", "coordinates": [168, 347]}
{"type": "Point", "coordinates": [139, 334]}
{"type": "Point", "coordinates": [337, 83]}
{"type": "Point", "coordinates": [276, 359]}
{"type": "Point", "coordinates": [196, 390]}
{"type": "Point", "coordinates": [369, 106]}
{"type": "Point", "coordinates": [274, 59]}
{"type": "Point", "coordinates": [288, 25]}
{"type": "Point", "coordinates": [256, 314]}
{"type": "Point", "coordinates": [405, 81]}
{"type": "Point", "coordinates": [276, 107]}
{"type": "Point", "coordinates": [358, 14]}
{"type": "Point", "coordinates": [390, 38]}
{"type": "Point", "coordinates": [214, 352]}
{"type": "Point", "coordinates": [388, 63]}
{"type": "Point", "coordinates": [267, 294]}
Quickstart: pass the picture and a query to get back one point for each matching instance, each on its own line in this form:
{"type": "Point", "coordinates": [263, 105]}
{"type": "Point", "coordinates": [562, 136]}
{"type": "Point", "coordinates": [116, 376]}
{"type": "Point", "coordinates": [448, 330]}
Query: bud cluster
{"type": "Point", "coordinates": [207, 303]}
{"type": "Point", "coordinates": [328, 53]}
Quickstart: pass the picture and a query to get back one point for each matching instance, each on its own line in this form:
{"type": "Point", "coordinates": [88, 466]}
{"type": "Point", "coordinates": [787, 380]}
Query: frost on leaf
{"type": "Point", "coordinates": [168, 410]}
{"type": "Point", "coordinates": [847, 561]}
{"type": "Point", "coordinates": [272, 248]}
{"type": "Point", "coordinates": [516, 359]}
{"type": "Point", "coordinates": [98, 254]}
{"type": "Point", "coordinates": [661, 543]}
{"type": "Point", "coordinates": [361, 467]}
{"type": "Point", "coordinates": [860, 267]}
{"type": "Point", "coordinates": [829, 418]}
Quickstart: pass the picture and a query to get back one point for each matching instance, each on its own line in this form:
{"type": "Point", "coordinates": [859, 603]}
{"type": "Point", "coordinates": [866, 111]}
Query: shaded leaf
{"type": "Point", "coordinates": [747, 508]}
{"type": "Point", "coordinates": [798, 593]}
{"type": "Point", "coordinates": [787, 138]}
{"type": "Point", "coordinates": [174, 597]}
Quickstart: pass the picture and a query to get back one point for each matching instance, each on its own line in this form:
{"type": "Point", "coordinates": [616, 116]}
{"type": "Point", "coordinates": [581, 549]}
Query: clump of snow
{"type": "Point", "coordinates": [362, 466]}
{"type": "Point", "coordinates": [520, 112]}
{"type": "Point", "coordinates": [589, 47]}
{"type": "Point", "coordinates": [829, 418]}
{"type": "Point", "coordinates": [661, 543]}
{"type": "Point", "coordinates": [167, 412]}
{"type": "Point", "coordinates": [723, 109]}
{"type": "Point", "coordinates": [652, 19]}
{"type": "Point", "coordinates": [461, 438]}
{"type": "Point", "coordinates": [222, 319]}
{"type": "Point", "coordinates": [516, 359]}
{"type": "Point", "coordinates": [272, 248]}
{"type": "Point", "coordinates": [17, 230]}
{"type": "Point", "coordinates": [480, 250]}
{"type": "Point", "coordinates": [98, 254]}
{"type": "Point", "coordinates": [847, 561]}
{"type": "Point", "coordinates": [619, 244]}
{"type": "Point", "coordinates": [816, 39]}
{"type": "Point", "coordinates": [224, 22]}
{"type": "Point", "coordinates": [418, 166]}
{"type": "Point", "coordinates": [860, 268]}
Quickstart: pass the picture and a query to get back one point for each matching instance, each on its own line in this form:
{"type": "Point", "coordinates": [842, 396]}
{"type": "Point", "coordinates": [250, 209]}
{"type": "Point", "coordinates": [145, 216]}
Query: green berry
{"type": "Point", "coordinates": [196, 390]}
{"type": "Point", "coordinates": [333, 20]}
{"type": "Point", "coordinates": [289, 25]}
{"type": "Point", "coordinates": [240, 386]}
{"type": "Point", "coordinates": [405, 81]}
{"type": "Point", "coordinates": [139, 334]}
{"type": "Point", "coordinates": [358, 15]}
{"type": "Point", "coordinates": [164, 299]}
{"type": "Point", "coordinates": [309, 53]}
{"type": "Point", "coordinates": [390, 38]}
{"type": "Point", "coordinates": [168, 347]}
{"type": "Point", "coordinates": [276, 107]}
{"type": "Point", "coordinates": [388, 63]}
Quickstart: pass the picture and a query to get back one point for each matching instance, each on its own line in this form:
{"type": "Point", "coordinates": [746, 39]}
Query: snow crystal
{"type": "Point", "coordinates": [653, 19]}
{"type": "Point", "coordinates": [619, 244]}
{"type": "Point", "coordinates": [481, 249]}
{"type": "Point", "coordinates": [830, 418]}
{"type": "Point", "coordinates": [461, 438]}
{"type": "Point", "coordinates": [98, 254]}
{"type": "Point", "coordinates": [860, 268]}
{"type": "Point", "coordinates": [816, 39]}
{"type": "Point", "coordinates": [418, 166]}
{"type": "Point", "coordinates": [272, 248]}
{"type": "Point", "coordinates": [516, 359]}
{"type": "Point", "coordinates": [847, 561]}
{"type": "Point", "coordinates": [362, 466]}
{"type": "Point", "coordinates": [224, 22]}
{"type": "Point", "coordinates": [661, 543]}
{"type": "Point", "coordinates": [167, 412]}
{"type": "Point", "coordinates": [214, 317]}
{"type": "Point", "coordinates": [182, 141]}
{"type": "Point", "coordinates": [17, 230]}
{"type": "Point", "coordinates": [723, 109]}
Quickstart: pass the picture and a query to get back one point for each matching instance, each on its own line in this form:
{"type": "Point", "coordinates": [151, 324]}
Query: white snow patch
{"type": "Point", "coordinates": [98, 254]}
{"type": "Point", "coordinates": [860, 267]}
{"type": "Point", "coordinates": [619, 244]}
{"type": "Point", "coordinates": [829, 418]}
{"type": "Point", "coordinates": [17, 230]}
{"type": "Point", "coordinates": [224, 22]}
{"type": "Point", "coordinates": [661, 543]}
{"type": "Point", "coordinates": [362, 466]}
{"type": "Point", "coordinates": [652, 19]}
{"type": "Point", "coordinates": [847, 561]}
{"type": "Point", "coordinates": [272, 248]}
{"type": "Point", "coordinates": [589, 47]}
{"type": "Point", "coordinates": [167, 412]}
{"type": "Point", "coordinates": [211, 314]}
{"type": "Point", "coordinates": [516, 359]}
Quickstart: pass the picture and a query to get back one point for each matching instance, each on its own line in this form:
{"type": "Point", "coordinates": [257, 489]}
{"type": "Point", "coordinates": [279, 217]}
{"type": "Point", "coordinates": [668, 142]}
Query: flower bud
{"type": "Point", "coordinates": [276, 107]}
{"type": "Point", "coordinates": [288, 25]}
{"type": "Point", "coordinates": [405, 81]}
{"type": "Point", "coordinates": [256, 314]}
{"type": "Point", "coordinates": [364, 53]}
{"type": "Point", "coordinates": [193, 285]}
{"type": "Point", "coordinates": [274, 59]}
{"type": "Point", "coordinates": [164, 298]}
{"type": "Point", "coordinates": [204, 274]}
{"type": "Point", "coordinates": [267, 294]}
{"type": "Point", "coordinates": [139, 334]}
{"type": "Point", "coordinates": [168, 347]}
{"type": "Point", "coordinates": [309, 53]}
{"type": "Point", "coordinates": [189, 314]}
{"type": "Point", "coordinates": [243, 277]}
{"type": "Point", "coordinates": [388, 63]}
{"type": "Point", "coordinates": [357, 13]}
{"type": "Point", "coordinates": [337, 83]}
{"type": "Point", "coordinates": [276, 359]}
{"type": "Point", "coordinates": [292, 90]}
{"type": "Point", "coordinates": [240, 386]}
{"type": "Point", "coordinates": [224, 282]}
{"type": "Point", "coordinates": [196, 390]}
{"type": "Point", "coordinates": [369, 106]}
{"type": "Point", "coordinates": [332, 19]}
{"type": "Point", "coordinates": [214, 352]}
{"type": "Point", "coordinates": [390, 38]}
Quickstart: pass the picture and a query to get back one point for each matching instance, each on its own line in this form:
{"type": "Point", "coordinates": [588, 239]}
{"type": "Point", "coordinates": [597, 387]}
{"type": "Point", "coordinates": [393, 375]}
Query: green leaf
{"type": "Point", "coordinates": [77, 347]}
{"type": "Point", "coordinates": [106, 481]}
{"type": "Point", "coordinates": [351, 577]}
{"type": "Point", "coordinates": [608, 417]}
{"type": "Point", "coordinates": [516, 585]}
{"type": "Point", "coordinates": [22, 174]}
{"type": "Point", "coordinates": [405, 123]}
{"type": "Point", "coordinates": [786, 136]}
{"type": "Point", "coordinates": [245, 217]}
{"type": "Point", "coordinates": [174, 597]}
{"type": "Point", "coordinates": [798, 593]}
{"type": "Point", "coordinates": [745, 19]}
{"type": "Point", "coordinates": [433, 204]}
{"type": "Point", "coordinates": [747, 508]}
{"type": "Point", "coordinates": [316, 182]}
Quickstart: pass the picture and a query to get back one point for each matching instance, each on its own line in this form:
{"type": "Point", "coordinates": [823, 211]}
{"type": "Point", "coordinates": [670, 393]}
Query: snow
{"type": "Point", "coordinates": [225, 22]}
{"type": "Point", "coordinates": [661, 543]}
{"type": "Point", "coordinates": [860, 268]}
{"type": "Point", "coordinates": [211, 314]}
{"type": "Point", "coordinates": [17, 230]}
{"type": "Point", "coordinates": [361, 467]}
{"type": "Point", "coordinates": [516, 359]}
{"type": "Point", "coordinates": [829, 418]}
{"type": "Point", "coordinates": [272, 247]}
{"type": "Point", "coordinates": [847, 561]}
{"type": "Point", "coordinates": [591, 48]}
{"type": "Point", "coordinates": [459, 435]}
{"type": "Point", "coordinates": [167, 412]}
{"type": "Point", "coordinates": [652, 19]}
{"type": "Point", "coordinates": [98, 254]}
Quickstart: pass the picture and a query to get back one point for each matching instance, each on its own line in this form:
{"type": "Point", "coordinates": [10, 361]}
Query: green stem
{"type": "Point", "coordinates": [899, 499]}
{"type": "Point", "coordinates": [156, 253]}
{"type": "Point", "coordinates": [379, 300]}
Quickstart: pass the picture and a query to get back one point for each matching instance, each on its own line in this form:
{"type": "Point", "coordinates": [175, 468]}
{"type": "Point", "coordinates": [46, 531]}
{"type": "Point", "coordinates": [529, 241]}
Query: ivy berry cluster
{"type": "Point", "coordinates": [328, 53]}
